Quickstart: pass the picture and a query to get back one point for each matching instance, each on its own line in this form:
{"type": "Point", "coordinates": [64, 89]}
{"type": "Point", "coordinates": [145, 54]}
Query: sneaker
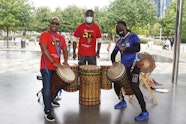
{"type": "Point", "coordinates": [142, 116]}
{"type": "Point", "coordinates": [58, 97]}
{"type": "Point", "coordinates": [48, 116]}
{"type": "Point", "coordinates": [55, 104]}
{"type": "Point", "coordinates": [120, 105]}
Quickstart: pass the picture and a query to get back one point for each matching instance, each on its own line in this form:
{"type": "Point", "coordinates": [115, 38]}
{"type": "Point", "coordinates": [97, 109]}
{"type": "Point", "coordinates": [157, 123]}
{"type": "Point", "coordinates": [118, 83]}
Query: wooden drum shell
{"type": "Point", "coordinates": [105, 82]}
{"type": "Point", "coordinates": [89, 92]}
{"type": "Point", "coordinates": [118, 74]}
{"type": "Point", "coordinates": [74, 85]}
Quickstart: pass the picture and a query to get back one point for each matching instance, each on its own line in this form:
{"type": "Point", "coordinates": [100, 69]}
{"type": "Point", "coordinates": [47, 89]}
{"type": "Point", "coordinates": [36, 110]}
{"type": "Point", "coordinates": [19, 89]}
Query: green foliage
{"type": "Point", "coordinates": [41, 19]}
{"type": "Point", "coordinates": [183, 39]}
{"type": "Point", "coordinates": [70, 18]}
{"type": "Point", "coordinates": [144, 41]}
{"type": "Point", "coordinates": [156, 29]}
{"type": "Point", "coordinates": [14, 14]}
{"type": "Point", "coordinates": [140, 16]}
{"type": "Point", "coordinates": [184, 23]}
{"type": "Point", "coordinates": [169, 21]}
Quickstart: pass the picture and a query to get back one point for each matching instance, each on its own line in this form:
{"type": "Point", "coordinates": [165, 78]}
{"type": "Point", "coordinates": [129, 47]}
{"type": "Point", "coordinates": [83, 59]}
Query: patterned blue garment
{"type": "Point", "coordinates": [127, 58]}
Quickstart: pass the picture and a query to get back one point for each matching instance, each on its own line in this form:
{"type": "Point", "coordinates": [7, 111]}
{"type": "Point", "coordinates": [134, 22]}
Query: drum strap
{"type": "Point", "coordinates": [134, 63]}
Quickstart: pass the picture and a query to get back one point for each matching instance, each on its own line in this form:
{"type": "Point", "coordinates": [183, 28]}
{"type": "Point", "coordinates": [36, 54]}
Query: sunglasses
{"type": "Point", "coordinates": [54, 23]}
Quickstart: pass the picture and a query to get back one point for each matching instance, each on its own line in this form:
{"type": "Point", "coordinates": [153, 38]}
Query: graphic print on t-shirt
{"type": "Point", "coordinates": [88, 36]}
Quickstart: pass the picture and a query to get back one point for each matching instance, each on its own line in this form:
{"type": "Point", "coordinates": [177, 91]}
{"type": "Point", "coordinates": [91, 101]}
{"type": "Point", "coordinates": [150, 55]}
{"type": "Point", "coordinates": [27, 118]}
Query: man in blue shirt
{"type": "Point", "coordinates": [129, 46]}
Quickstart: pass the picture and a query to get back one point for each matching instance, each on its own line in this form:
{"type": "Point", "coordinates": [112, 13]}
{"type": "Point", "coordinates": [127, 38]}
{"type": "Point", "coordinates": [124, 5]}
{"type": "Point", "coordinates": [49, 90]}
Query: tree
{"type": "Point", "coordinates": [41, 19]}
{"type": "Point", "coordinates": [168, 22]}
{"type": "Point", "coordinates": [184, 21]}
{"type": "Point", "coordinates": [156, 29]}
{"type": "Point", "coordinates": [14, 14]}
{"type": "Point", "coordinates": [71, 17]}
{"type": "Point", "coordinates": [138, 14]}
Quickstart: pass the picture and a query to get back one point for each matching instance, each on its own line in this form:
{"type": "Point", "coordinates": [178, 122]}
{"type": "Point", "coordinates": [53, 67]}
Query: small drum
{"type": "Point", "coordinates": [118, 74]}
{"type": "Point", "coordinates": [60, 79]}
{"type": "Point", "coordinates": [74, 85]}
{"type": "Point", "coordinates": [147, 62]}
{"type": "Point", "coordinates": [89, 92]}
{"type": "Point", "coordinates": [105, 82]}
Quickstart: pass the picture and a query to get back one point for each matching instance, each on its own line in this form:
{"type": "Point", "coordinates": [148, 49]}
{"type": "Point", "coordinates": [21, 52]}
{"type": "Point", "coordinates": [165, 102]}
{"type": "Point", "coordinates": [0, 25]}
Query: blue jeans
{"type": "Point", "coordinates": [46, 80]}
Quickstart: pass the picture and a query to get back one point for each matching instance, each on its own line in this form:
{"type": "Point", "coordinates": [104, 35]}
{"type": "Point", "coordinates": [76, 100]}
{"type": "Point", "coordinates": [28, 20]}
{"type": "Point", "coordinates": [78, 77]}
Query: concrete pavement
{"type": "Point", "coordinates": [18, 88]}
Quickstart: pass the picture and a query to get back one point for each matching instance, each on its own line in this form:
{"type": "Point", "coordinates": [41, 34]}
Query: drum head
{"type": "Point", "coordinates": [148, 63]}
{"type": "Point", "coordinates": [89, 67]}
{"type": "Point", "coordinates": [116, 71]}
{"type": "Point", "coordinates": [66, 74]}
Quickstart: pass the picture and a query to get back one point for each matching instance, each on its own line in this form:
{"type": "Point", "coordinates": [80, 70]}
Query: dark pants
{"type": "Point", "coordinates": [134, 83]}
{"type": "Point", "coordinates": [84, 60]}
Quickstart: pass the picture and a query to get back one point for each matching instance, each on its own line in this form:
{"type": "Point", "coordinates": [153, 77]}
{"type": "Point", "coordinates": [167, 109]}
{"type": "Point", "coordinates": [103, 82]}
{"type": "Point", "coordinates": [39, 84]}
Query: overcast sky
{"type": "Point", "coordinates": [53, 4]}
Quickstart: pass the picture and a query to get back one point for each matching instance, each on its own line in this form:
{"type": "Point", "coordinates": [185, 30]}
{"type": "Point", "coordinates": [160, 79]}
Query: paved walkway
{"type": "Point", "coordinates": [18, 88]}
{"type": "Point", "coordinates": [15, 56]}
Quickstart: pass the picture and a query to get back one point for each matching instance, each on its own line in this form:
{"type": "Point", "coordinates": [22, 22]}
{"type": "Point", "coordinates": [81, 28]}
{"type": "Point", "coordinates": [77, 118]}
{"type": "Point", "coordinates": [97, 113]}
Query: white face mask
{"type": "Point", "coordinates": [89, 19]}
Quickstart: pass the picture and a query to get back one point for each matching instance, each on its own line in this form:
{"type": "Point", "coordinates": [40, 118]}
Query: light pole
{"type": "Point", "coordinates": [177, 41]}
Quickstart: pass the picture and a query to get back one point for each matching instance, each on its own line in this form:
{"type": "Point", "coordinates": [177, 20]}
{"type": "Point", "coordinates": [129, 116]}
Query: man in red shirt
{"type": "Point", "coordinates": [52, 45]}
{"type": "Point", "coordinates": [89, 35]}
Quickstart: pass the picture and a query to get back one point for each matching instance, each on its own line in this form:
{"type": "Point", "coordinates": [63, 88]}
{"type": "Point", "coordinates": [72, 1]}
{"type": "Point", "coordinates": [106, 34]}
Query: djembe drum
{"type": "Point", "coordinates": [105, 82]}
{"type": "Point", "coordinates": [89, 92]}
{"type": "Point", "coordinates": [118, 74]}
{"type": "Point", "coordinates": [74, 85]}
{"type": "Point", "coordinates": [147, 62]}
{"type": "Point", "coordinates": [60, 79]}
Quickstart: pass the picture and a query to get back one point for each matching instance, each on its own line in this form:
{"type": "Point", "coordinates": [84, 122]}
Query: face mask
{"type": "Point", "coordinates": [120, 32]}
{"type": "Point", "coordinates": [89, 19]}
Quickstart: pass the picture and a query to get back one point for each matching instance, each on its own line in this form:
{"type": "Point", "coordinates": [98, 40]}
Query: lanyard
{"type": "Point", "coordinates": [124, 38]}
{"type": "Point", "coordinates": [120, 41]}
{"type": "Point", "coordinates": [58, 49]}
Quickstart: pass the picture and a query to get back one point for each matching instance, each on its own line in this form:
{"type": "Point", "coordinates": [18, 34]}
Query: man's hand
{"type": "Point", "coordinates": [121, 47]}
{"type": "Point", "coordinates": [66, 64]}
{"type": "Point", "coordinates": [58, 65]}
{"type": "Point", "coordinates": [74, 55]}
{"type": "Point", "coordinates": [97, 54]}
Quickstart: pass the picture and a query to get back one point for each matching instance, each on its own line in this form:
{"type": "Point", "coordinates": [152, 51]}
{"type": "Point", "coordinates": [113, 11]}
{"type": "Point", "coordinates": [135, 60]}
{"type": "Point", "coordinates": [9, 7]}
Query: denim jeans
{"type": "Point", "coordinates": [46, 80]}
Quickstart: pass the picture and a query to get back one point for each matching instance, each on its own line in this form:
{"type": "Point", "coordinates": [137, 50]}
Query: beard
{"type": "Point", "coordinates": [53, 29]}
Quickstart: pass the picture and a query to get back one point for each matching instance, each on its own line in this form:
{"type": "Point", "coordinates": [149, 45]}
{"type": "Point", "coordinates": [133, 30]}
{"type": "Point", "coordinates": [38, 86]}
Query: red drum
{"type": "Point", "coordinates": [105, 82]}
{"type": "Point", "coordinates": [89, 92]}
{"type": "Point", "coordinates": [60, 79]}
{"type": "Point", "coordinates": [118, 74]}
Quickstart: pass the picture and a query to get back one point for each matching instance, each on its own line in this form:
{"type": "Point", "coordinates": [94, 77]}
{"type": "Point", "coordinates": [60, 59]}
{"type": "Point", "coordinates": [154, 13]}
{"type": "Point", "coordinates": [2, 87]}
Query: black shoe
{"type": "Point", "coordinates": [48, 116]}
{"type": "Point", "coordinates": [55, 104]}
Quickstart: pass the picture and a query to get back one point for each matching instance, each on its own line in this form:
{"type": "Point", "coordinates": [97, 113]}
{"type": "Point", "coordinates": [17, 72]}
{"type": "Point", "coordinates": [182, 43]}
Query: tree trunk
{"type": "Point", "coordinates": [7, 31]}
